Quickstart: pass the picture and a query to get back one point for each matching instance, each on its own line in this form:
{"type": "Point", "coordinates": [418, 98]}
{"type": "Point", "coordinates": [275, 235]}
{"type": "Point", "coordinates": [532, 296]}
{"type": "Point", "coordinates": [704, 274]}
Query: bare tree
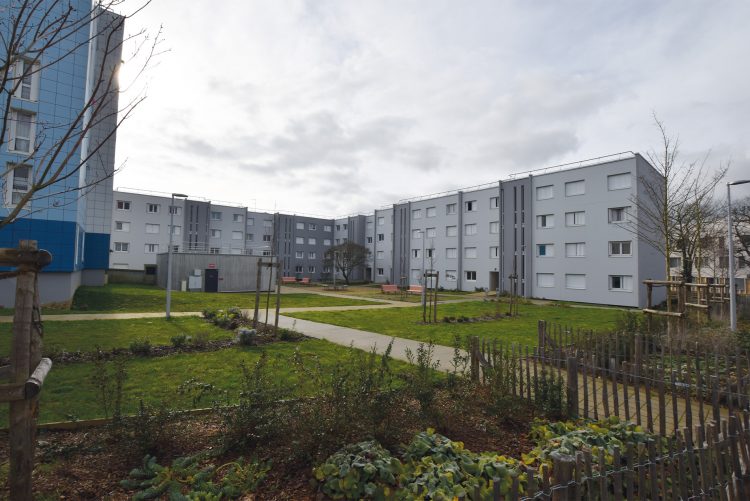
{"type": "Point", "coordinates": [676, 208]}
{"type": "Point", "coordinates": [52, 157]}
{"type": "Point", "coordinates": [346, 258]}
{"type": "Point", "coordinates": [741, 230]}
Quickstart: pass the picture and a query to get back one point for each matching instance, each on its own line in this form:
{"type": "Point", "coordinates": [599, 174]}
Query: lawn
{"type": "Point", "coordinates": [144, 298]}
{"type": "Point", "coordinates": [374, 291]}
{"type": "Point", "coordinates": [86, 335]}
{"type": "Point", "coordinates": [69, 393]}
{"type": "Point", "coordinates": [405, 322]}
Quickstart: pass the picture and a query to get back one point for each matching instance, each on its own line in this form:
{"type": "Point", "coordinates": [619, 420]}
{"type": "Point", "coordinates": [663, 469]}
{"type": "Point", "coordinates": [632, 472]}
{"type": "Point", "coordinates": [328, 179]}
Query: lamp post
{"type": "Point", "coordinates": [730, 244]}
{"type": "Point", "coordinates": [169, 251]}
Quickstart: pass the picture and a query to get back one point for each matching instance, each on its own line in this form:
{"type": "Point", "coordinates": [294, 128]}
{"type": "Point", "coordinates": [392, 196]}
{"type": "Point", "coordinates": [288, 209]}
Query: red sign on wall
{"type": "Point", "coordinates": [211, 266]}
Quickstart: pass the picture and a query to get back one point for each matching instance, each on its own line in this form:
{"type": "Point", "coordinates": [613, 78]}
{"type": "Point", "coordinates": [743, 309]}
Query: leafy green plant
{"type": "Point", "coordinates": [423, 375]}
{"type": "Point", "coordinates": [243, 476]}
{"type": "Point", "coordinates": [151, 428]}
{"type": "Point", "coordinates": [246, 337]}
{"type": "Point", "coordinates": [201, 339]}
{"type": "Point", "coordinates": [140, 347]}
{"type": "Point", "coordinates": [196, 389]}
{"type": "Point", "coordinates": [184, 476]}
{"type": "Point", "coordinates": [180, 340]}
{"type": "Point", "coordinates": [362, 470]}
{"type": "Point", "coordinates": [550, 395]}
{"type": "Point", "coordinates": [108, 379]}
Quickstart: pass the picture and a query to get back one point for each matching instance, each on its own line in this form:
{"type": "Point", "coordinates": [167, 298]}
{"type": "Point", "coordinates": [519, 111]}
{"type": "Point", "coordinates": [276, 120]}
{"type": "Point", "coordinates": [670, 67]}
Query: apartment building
{"type": "Point", "coordinates": [72, 217]}
{"type": "Point", "coordinates": [566, 233]}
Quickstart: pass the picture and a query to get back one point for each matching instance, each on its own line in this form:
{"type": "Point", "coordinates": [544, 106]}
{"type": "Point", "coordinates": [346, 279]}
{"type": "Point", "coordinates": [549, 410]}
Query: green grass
{"type": "Point", "coordinates": [117, 298]}
{"type": "Point", "coordinates": [405, 322]}
{"type": "Point", "coordinates": [68, 391]}
{"type": "Point", "coordinates": [86, 335]}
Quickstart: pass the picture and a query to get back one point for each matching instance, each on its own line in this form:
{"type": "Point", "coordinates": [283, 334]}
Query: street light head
{"type": "Point", "coordinates": [735, 183]}
{"type": "Point", "coordinates": [179, 195]}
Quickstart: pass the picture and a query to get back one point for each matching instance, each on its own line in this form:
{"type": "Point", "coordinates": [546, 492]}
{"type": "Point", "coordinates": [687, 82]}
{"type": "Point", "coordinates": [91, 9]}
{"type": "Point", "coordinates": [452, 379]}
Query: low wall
{"type": "Point", "coordinates": [130, 277]}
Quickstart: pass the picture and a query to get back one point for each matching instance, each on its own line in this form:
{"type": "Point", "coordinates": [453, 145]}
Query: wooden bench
{"type": "Point", "coordinates": [388, 289]}
{"type": "Point", "coordinates": [288, 280]}
{"type": "Point", "coordinates": [305, 281]}
{"type": "Point", "coordinates": [415, 289]}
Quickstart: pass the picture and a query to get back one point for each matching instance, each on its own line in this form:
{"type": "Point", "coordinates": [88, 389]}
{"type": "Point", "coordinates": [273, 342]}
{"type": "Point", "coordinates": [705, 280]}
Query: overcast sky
{"type": "Point", "coordinates": [340, 107]}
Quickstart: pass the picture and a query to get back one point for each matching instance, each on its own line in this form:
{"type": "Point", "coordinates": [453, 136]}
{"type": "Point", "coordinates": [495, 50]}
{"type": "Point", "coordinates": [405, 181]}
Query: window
{"type": "Point", "coordinates": [575, 218]}
{"type": "Point", "coordinates": [381, 237]}
{"type": "Point", "coordinates": [675, 262]}
{"type": "Point", "coordinates": [430, 253]}
{"type": "Point", "coordinates": [236, 235]}
{"type": "Point", "coordinates": [494, 252]}
{"type": "Point", "coordinates": [338, 227]}
{"type": "Point", "coordinates": [268, 223]}
{"type": "Point", "coordinates": [345, 226]}
{"type": "Point", "coordinates": [431, 212]}
{"type": "Point", "coordinates": [380, 255]}
{"type": "Point", "coordinates": [470, 229]}
{"type": "Point", "coordinates": [26, 77]}
{"type": "Point", "coordinates": [311, 241]}
{"type": "Point", "coordinates": [312, 226]}
{"type": "Point", "coordinates": [122, 247]}
{"type": "Point", "coordinates": [621, 248]}
{"type": "Point", "coordinates": [416, 214]}
{"type": "Point", "coordinates": [544, 192]}
{"type": "Point", "coordinates": [545, 221]}
{"type": "Point", "coordinates": [298, 268]}
{"type": "Point", "coordinates": [494, 201]}
{"type": "Point", "coordinates": [176, 230]}
{"type": "Point", "coordinates": [326, 269]}
{"type": "Point", "coordinates": [494, 226]}
{"type": "Point", "coordinates": [175, 248]}
{"type": "Point", "coordinates": [416, 253]}
{"type": "Point", "coordinates": [618, 181]}
{"type": "Point", "coordinates": [251, 221]}
{"type": "Point", "coordinates": [266, 238]}
{"type": "Point", "coordinates": [451, 253]}
{"type": "Point", "coordinates": [152, 248]}
{"type": "Point", "coordinates": [327, 227]}
{"type": "Point", "coordinates": [575, 249]}
{"type": "Point", "coordinates": [450, 209]}
{"type": "Point", "coordinates": [327, 241]}
{"type": "Point", "coordinates": [237, 218]}
{"type": "Point", "coordinates": [369, 240]}
{"type": "Point", "coordinates": [213, 250]}
{"type": "Point", "coordinates": [265, 252]}
{"type": "Point", "coordinates": [152, 208]}
{"type": "Point", "coordinates": [450, 275]}
{"type": "Point", "coordinates": [21, 131]}
{"type": "Point", "coordinates": [621, 283]}
{"type": "Point", "coordinates": [416, 234]}
{"type": "Point", "coordinates": [152, 228]}
{"type": "Point", "coordinates": [122, 226]}
{"type": "Point", "coordinates": [175, 210]}
{"type": "Point", "coordinates": [215, 216]}
{"type": "Point", "coordinates": [381, 221]}
{"type": "Point", "coordinates": [431, 233]}
{"type": "Point", "coordinates": [451, 231]}
{"type": "Point", "coordinates": [575, 281]}
{"type": "Point", "coordinates": [123, 205]}
{"type": "Point", "coordinates": [381, 272]}
{"type": "Point", "coordinates": [471, 276]}
{"type": "Point", "coordinates": [312, 255]}
{"type": "Point", "coordinates": [545, 280]}
{"type": "Point", "coordinates": [300, 226]}
{"type": "Point", "coordinates": [299, 240]}
{"type": "Point", "coordinates": [470, 206]}
{"type": "Point", "coordinates": [575, 188]}
{"type": "Point", "coordinates": [618, 214]}
{"type": "Point", "coordinates": [299, 255]}
{"type": "Point", "coordinates": [21, 183]}
{"type": "Point", "coordinates": [215, 233]}
{"type": "Point", "coordinates": [545, 250]}
{"type": "Point", "coordinates": [249, 237]}
{"type": "Point", "coordinates": [470, 252]}
{"type": "Point", "coordinates": [311, 269]}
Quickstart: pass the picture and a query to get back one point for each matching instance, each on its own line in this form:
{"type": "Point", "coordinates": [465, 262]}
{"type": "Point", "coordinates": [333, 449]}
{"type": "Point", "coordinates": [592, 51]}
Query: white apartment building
{"type": "Point", "coordinates": [566, 233]}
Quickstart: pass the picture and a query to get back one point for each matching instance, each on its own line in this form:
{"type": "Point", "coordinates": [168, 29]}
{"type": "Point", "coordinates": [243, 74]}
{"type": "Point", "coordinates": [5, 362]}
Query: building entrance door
{"type": "Point", "coordinates": [494, 281]}
{"type": "Point", "coordinates": [211, 283]}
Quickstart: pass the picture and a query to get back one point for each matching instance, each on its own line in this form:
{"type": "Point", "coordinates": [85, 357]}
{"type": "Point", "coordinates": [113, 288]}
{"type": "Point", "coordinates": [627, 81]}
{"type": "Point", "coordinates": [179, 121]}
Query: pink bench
{"type": "Point", "coordinates": [305, 281]}
{"type": "Point", "coordinates": [388, 288]}
{"type": "Point", "coordinates": [415, 289]}
{"type": "Point", "coordinates": [288, 280]}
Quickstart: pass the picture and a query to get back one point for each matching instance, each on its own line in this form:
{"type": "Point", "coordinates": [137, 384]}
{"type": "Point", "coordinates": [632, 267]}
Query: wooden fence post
{"type": "Point", "coordinates": [562, 473]}
{"type": "Point", "coordinates": [572, 364]}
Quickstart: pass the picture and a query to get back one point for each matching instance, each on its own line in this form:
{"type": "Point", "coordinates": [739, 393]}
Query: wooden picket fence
{"type": "Point", "coordinates": [698, 401]}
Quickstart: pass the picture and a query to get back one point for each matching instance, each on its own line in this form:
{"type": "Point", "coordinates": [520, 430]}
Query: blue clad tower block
{"type": "Point", "coordinates": [61, 126]}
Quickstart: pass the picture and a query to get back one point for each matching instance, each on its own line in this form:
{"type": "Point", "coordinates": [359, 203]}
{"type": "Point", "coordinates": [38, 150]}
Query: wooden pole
{"type": "Point", "coordinates": [258, 285]}
{"type": "Point", "coordinates": [278, 295]}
